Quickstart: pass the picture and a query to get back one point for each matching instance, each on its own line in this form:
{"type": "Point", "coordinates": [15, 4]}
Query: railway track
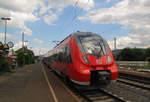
{"type": "Point", "coordinates": [135, 84]}
{"type": "Point", "coordinates": [140, 79]}
{"type": "Point", "coordinates": [97, 95]}
{"type": "Point", "coordinates": [131, 81]}
{"type": "Point", "coordinates": [132, 91]}
{"type": "Point", "coordinates": [94, 95]}
{"type": "Point", "coordinates": [108, 95]}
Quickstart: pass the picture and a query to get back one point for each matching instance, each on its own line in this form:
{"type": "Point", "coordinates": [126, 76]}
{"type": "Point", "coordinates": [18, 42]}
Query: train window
{"type": "Point", "coordinates": [94, 45]}
{"type": "Point", "coordinates": [68, 55]}
{"type": "Point", "coordinates": [60, 54]}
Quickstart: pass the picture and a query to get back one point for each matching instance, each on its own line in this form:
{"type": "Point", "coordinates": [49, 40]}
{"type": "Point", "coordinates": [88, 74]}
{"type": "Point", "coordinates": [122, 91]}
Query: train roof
{"type": "Point", "coordinates": [80, 33]}
{"type": "Point", "coordinates": [84, 33]}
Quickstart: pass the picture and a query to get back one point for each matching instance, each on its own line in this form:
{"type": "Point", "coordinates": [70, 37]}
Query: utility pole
{"type": "Point", "coordinates": [5, 19]}
{"type": "Point", "coordinates": [23, 48]}
{"type": "Point", "coordinates": [26, 43]}
{"type": "Point", "coordinates": [115, 44]}
{"type": "Point", "coordinates": [22, 39]}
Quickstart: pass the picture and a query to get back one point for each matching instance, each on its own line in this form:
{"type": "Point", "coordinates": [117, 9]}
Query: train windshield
{"type": "Point", "coordinates": [93, 45]}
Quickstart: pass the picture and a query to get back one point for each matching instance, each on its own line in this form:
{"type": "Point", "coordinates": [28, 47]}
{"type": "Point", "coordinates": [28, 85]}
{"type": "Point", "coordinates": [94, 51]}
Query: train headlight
{"type": "Point", "coordinates": [109, 59]}
{"type": "Point", "coordinates": [86, 59]}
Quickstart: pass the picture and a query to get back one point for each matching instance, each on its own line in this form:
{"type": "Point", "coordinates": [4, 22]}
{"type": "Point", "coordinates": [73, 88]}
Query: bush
{"type": "Point", "coordinates": [20, 58]}
{"type": "Point", "coordinates": [148, 59]}
{"type": "Point", "coordinates": [4, 66]}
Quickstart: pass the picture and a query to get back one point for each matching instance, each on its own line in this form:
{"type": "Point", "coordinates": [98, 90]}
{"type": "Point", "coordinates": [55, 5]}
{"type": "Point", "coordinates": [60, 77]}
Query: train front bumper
{"type": "Point", "coordinates": [93, 78]}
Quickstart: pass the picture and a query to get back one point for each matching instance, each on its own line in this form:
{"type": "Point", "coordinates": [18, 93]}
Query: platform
{"type": "Point", "coordinates": [34, 83]}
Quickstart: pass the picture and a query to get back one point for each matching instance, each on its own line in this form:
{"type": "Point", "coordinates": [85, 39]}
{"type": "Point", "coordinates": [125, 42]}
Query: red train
{"type": "Point", "coordinates": [84, 58]}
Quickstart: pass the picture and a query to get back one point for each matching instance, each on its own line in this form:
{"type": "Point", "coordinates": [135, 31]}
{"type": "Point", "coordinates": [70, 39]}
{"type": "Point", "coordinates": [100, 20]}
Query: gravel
{"type": "Point", "coordinates": [129, 93]}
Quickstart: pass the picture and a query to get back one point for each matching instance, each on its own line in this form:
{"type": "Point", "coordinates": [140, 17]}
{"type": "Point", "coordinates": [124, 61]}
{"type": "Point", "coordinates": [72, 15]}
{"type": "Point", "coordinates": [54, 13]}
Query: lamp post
{"type": "Point", "coordinates": [25, 50]}
{"type": "Point", "coordinates": [115, 44]}
{"type": "Point", "coordinates": [5, 19]}
{"type": "Point", "coordinates": [22, 39]}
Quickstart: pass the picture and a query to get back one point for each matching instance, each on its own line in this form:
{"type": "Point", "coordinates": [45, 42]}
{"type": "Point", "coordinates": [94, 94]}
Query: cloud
{"type": "Point", "coordinates": [108, 0]}
{"type": "Point", "coordinates": [37, 41]}
{"type": "Point", "coordinates": [18, 19]}
{"type": "Point", "coordinates": [17, 45]}
{"type": "Point", "coordinates": [50, 18]}
{"type": "Point", "coordinates": [132, 14]}
{"type": "Point", "coordinates": [53, 8]}
{"type": "Point", "coordinates": [36, 50]}
{"type": "Point", "coordinates": [4, 12]}
{"type": "Point", "coordinates": [20, 5]}
{"type": "Point", "coordinates": [23, 11]}
{"type": "Point", "coordinates": [39, 51]}
{"type": "Point", "coordinates": [64, 3]}
{"type": "Point", "coordinates": [27, 31]}
{"type": "Point", "coordinates": [20, 13]}
{"type": "Point", "coordinates": [8, 36]}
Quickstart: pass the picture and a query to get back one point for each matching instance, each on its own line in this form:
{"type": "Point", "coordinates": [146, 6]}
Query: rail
{"type": "Point", "coordinates": [97, 95]}
{"type": "Point", "coordinates": [135, 84]}
{"type": "Point", "coordinates": [136, 78]}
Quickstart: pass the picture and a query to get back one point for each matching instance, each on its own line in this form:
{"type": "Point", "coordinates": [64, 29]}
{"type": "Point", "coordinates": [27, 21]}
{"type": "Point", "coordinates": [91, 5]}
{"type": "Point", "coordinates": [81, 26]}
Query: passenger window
{"type": "Point", "coordinates": [68, 55]}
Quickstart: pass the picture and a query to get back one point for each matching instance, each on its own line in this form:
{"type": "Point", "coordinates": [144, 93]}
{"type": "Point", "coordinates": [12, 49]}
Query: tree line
{"type": "Point", "coordinates": [25, 56]}
{"type": "Point", "coordinates": [132, 54]}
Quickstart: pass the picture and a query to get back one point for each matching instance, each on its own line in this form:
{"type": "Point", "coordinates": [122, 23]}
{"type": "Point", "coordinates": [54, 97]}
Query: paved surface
{"type": "Point", "coordinates": [34, 83]}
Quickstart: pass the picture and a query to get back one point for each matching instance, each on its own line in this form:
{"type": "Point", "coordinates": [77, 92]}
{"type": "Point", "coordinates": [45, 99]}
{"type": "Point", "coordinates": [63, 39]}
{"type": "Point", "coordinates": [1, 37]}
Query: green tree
{"type": "Point", "coordinates": [147, 52]}
{"type": "Point", "coordinates": [125, 55]}
{"type": "Point", "coordinates": [131, 54]}
{"type": "Point", "coordinates": [24, 56]}
{"type": "Point", "coordinates": [138, 54]}
{"type": "Point", "coordinates": [20, 58]}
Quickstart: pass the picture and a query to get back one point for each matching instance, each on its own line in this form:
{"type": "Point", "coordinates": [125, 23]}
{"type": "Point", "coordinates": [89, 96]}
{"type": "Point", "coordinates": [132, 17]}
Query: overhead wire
{"type": "Point", "coordinates": [75, 14]}
{"type": "Point", "coordinates": [73, 9]}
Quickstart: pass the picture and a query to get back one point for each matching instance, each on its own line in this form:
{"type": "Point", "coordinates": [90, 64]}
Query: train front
{"type": "Point", "coordinates": [94, 63]}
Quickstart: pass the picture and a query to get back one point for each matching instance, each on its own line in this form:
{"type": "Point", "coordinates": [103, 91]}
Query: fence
{"type": "Point", "coordinates": [132, 64]}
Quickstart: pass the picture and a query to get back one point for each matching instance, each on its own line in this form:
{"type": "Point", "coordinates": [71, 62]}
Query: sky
{"type": "Point", "coordinates": [45, 21]}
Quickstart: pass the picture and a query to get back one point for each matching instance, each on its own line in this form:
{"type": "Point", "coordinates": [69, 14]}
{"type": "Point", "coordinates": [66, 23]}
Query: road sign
{"type": "Point", "coordinates": [10, 44]}
{"type": "Point", "coordinates": [1, 45]}
{"type": "Point", "coordinates": [6, 46]}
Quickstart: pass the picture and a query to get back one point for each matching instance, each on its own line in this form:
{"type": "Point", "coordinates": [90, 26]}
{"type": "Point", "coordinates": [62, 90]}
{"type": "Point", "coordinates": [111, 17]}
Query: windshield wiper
{"type": "Point", "coordinates": [102, 50]}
